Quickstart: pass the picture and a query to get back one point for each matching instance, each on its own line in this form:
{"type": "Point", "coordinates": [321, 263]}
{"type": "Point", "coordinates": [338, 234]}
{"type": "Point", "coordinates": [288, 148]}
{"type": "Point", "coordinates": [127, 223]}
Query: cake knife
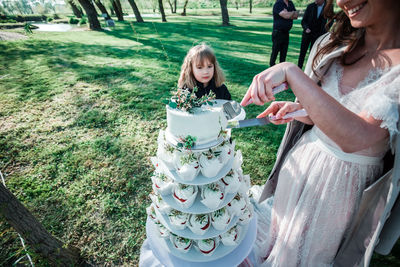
{"type": "Point", "coordinates": [265, 120]}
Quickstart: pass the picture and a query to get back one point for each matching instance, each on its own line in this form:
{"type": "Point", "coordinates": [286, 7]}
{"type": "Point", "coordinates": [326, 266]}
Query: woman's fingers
{"type": "Point", "coordinates": [283, 121]}
{"type": "Point", "coordinates": [288, 107]}
{"type": "Point", "coordinates": [272, 109]}
{"type": "Point", "coordinates": [247, 97]}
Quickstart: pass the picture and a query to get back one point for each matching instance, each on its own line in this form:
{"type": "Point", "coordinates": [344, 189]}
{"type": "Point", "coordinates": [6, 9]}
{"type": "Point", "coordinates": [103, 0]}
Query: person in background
{"type": "Point", "coordinates": [200, 69]}
{"type": "Point", "coordinates": [284, 13]}
{"type": "Point", "coordinates": [313, 24]}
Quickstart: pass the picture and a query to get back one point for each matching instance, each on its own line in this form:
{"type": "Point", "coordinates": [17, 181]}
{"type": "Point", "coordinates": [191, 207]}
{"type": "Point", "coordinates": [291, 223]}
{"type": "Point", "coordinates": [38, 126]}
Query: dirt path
{"type": "Point", "coordinates": [6, 36]}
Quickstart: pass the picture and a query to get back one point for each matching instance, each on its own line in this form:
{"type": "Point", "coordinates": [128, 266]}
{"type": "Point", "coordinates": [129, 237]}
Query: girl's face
{"type": "Point", "coordinates": [203, 71]}
{"type": "Point", "coordinates": [364, 13]}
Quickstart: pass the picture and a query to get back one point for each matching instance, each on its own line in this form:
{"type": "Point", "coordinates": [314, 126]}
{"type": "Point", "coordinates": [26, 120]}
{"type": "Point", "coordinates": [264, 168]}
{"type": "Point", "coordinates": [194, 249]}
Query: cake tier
{"type": "Point", "coordinates": [187, 233]}
{"type": "Point", "coordinates": [163, 246]}
{"type": "Point", "coordinates": [199, 179]}
{"type": "Point", "coordinates": [198, 207]}
{"type": "Point", "coordinates": [205, 123]}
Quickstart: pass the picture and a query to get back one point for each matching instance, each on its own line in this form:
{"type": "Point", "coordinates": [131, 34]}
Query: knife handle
{"type": "Point", "coordinates": [294, 114]}
{"type": "Point", "coordinates": [280, 88]}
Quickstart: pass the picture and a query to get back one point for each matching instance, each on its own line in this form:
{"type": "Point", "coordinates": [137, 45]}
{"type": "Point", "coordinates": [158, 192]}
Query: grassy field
{"type": "Point", "coordinates": [79, 116]}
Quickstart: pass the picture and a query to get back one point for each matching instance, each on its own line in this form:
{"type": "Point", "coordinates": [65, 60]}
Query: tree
{"type": "Point", "coordinates": [184, 8]}
{"type": "Point", "coordinates": [102, 8]}
{"type": "Point", "coordinates": [33, 232]}
{"type": "Point", "coordinates": [77, 11]}
{"type": "Point", "coordinates": [224, 11]}
{"type": "Point", "coordinates": [161, 6]}
{"type": "Point", "coordinates": [91, 13]}
{"type": "Point", "coordinates": [118, 9]}
{"type": "Point", "coordinates": [135, 10]}
{"type": "Point", "coordinates": [172, 6]}
{"type": "Point", "coordinates": [251, 6]}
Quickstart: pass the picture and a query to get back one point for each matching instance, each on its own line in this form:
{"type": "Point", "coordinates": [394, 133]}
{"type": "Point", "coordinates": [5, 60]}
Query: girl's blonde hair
{"type": "Point", "coordinates": [198, 54]}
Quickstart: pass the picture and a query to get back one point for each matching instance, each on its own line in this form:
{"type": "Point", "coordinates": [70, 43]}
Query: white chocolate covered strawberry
{"type": "Point", "coordinates": [212, 195]}
{"type": "Point", "coordinates": [185, 195]}
{"type": "Point", "coordinates": [220, 219]}
{"type": "Point", "coordinates": [178, 219]}
{"type": "Point", "coordinates": [199, 223]}
{"type": "Point", "coordinates": [180, 243]}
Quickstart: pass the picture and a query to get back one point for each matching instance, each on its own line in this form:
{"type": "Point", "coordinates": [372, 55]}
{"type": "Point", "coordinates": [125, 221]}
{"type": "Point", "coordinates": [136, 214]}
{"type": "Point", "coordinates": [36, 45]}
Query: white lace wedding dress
{"type": "Point", "coordinates": [320, 186]}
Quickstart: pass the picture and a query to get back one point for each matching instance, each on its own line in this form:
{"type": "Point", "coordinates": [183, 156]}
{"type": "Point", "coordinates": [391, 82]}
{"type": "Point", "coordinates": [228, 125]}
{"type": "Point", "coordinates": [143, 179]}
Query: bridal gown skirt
{"type": "Point", "coordinates": [317, 194]}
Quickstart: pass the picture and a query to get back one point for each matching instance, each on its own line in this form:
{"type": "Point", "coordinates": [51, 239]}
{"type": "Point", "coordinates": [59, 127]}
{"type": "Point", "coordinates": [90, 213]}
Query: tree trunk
{"type": "Point", "coordinates": [91, 13]}
{"type": "Point", "coordinates": [33, 232]}
{"type": "Point", "coordinates": [237, 5]}
{"type": "Point", "coordinates": [161, 6]}
{"type": "Point", "coordinates": [118, 10]}
{"type": "Point", "coordinates": [251, 6]}
{"type": "Point", "coordinates": [135, 10]}
{"type": "Point", "coordinates": [112, 10]}
{"type": "Point", "coordinates": [174, 11]}
{"type": "Point", "coordinates": [102, 8]}
{"type": "Point", "coordinates": [75, 9]}
{"type": "Point", "coordinates": [170, 5]}
{"type": "Point", "coordinates": [184, 8]}
{"type": "Point", "coordinates": [224, 11]}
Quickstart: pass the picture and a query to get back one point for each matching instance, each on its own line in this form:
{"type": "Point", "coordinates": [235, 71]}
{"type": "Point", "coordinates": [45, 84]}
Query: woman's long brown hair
{"type": "Point", "coordinates": [341, 34]}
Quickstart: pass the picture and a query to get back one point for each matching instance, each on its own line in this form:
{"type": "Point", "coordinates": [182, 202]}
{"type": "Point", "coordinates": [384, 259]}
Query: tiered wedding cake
{"type": "Point", "coordinates": [200, 206]}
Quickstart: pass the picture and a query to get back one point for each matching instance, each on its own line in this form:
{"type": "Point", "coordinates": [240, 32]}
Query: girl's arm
{"type": "Point", "coordinates": [351, 132]}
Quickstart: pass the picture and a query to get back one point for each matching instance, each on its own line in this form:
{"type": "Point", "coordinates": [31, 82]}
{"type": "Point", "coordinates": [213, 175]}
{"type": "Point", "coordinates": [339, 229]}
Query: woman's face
{"type": "Point", "coordinates": [203, 71]}
{"type": "Point", "coordinates": [364, 13]}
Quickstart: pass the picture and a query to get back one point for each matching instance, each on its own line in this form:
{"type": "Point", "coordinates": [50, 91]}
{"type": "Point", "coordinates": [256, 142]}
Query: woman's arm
{"type": "Point", "coordinates": [352, 132]}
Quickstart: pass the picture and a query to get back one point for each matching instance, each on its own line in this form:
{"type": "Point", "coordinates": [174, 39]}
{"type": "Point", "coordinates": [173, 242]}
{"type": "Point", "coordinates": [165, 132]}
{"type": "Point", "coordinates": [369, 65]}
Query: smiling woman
{"type": "Point", "coordinates": [326, 181]}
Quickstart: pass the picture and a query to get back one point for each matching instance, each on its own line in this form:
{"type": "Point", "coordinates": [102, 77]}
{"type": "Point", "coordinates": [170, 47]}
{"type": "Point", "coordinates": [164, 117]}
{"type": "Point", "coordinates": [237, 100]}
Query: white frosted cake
{"type": "Point", "coordinates": [200, 204]}
{"type": "Point", "coordinates": [205, 123]}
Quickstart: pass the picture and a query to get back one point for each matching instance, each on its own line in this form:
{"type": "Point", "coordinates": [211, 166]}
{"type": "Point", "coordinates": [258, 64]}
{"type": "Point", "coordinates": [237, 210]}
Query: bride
{"type": "Point", "coordinates": [350, 90]}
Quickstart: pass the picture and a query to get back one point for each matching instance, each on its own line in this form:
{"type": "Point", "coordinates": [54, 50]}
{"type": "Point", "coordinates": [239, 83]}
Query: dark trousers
{"type": "Point", "coordinates": [280, 44]}
{"type": "Point", "coordinates": [307, 41]}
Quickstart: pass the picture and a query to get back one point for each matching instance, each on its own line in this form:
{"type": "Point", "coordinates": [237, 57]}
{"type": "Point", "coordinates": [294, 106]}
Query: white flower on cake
{"type": "Point", "coordinates": [180, 243]}
{"type": "Point", "coordinates": [246, 215]}
{"type": "Point", "coordinates": [185, 195]}
{"type": "Point", "coordinates": [231, 237]}
{"type": "Point", "coordinates": [166, 152]}
{"type": "Point", "coordinates": [162, 183]}
{"type": "Point", "coordinates": [207, 246]}
{"type": "Point", "coordinates": [159, 202]}
{"type": "Point", "coordinates": [237, 205]}
{"type": "Point", "coordinates": [212, 195]}
{"type": "Point", "coordinates": [151, 212]}
{"type": "Point", "coordinates": [237, 162]}
{"type": "Point", "coordinates": [178, 219]}
{"type": "Point", "coordinates": [211, 163]}
{"type": "Point", "coordinates": [163, 232]}
{"type": "Point", "coordinates": [231, 182]}
{"type": "Point", "coordinates": [226, 150]}
{"type": "Point", "coordinates": [188, 167]}
{"type": "Point", "coordinates": [220, 219]}
{"type": "Point", "coordinates": [245, 185]}
{"type": "Point", "coordinates": [199, 223]}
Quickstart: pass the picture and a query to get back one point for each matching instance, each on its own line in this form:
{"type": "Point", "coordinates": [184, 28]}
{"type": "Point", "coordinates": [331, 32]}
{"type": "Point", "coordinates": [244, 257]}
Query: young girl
{"type": "Point", "coordinates": [201, 69]}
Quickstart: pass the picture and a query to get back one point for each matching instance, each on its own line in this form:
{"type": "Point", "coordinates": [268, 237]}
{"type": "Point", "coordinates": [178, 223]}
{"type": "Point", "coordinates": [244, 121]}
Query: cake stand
{"type": "Point", "coordinates": [162, 252]}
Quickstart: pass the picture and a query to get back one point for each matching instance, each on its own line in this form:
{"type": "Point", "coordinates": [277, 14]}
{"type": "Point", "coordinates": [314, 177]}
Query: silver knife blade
{"type": "Point", "coordinates": [248, 123]}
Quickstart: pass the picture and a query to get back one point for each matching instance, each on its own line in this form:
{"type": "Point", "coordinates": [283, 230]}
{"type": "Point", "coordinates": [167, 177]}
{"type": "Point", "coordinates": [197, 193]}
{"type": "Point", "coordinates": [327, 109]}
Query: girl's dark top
{"type": "Point", "coordinates": [220, 92]}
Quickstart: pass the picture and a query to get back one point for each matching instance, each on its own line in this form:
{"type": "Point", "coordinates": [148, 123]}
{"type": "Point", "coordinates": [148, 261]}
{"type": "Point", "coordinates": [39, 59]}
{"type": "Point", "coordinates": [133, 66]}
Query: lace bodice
{"type": "Point", "coordinates": [377, 94]}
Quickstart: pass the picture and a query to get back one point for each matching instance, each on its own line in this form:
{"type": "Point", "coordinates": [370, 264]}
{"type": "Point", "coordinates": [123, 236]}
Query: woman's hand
{"type": "Point", "coordinates": [279, 109]}
{"type": "Point", "coordinates": [260, 90]}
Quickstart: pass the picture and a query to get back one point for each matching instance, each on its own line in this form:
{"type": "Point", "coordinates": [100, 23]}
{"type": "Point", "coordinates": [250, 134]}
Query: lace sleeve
{"type": "Point", "coordinates": [382, 101]}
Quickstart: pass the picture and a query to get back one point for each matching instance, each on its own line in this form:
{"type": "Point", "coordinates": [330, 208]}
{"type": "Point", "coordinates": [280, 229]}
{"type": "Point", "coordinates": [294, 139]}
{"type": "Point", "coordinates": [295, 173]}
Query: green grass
{"type": "Point", "coordinates": [80, 113]}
